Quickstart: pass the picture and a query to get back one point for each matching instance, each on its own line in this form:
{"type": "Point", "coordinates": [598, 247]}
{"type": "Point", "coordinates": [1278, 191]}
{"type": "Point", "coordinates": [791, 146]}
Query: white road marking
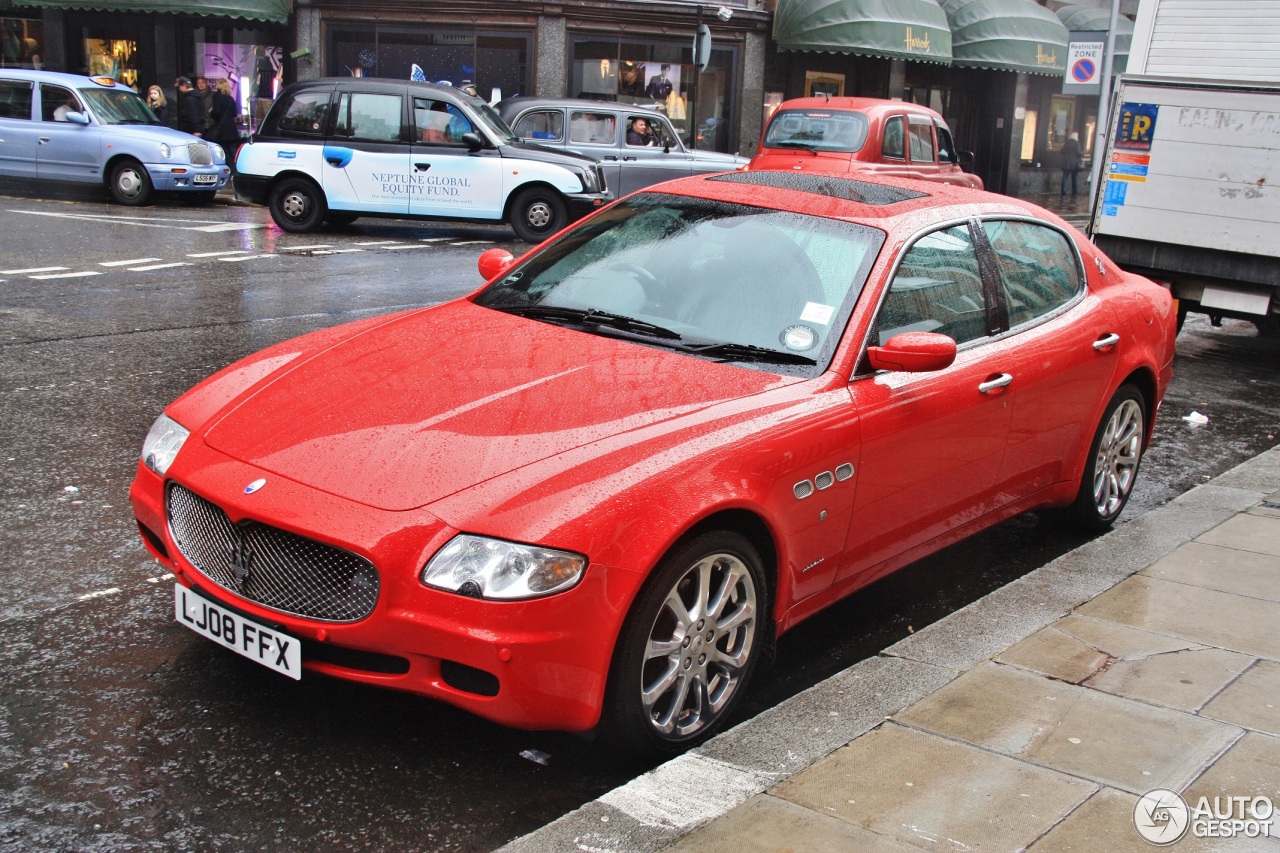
{"type": "Point", "coordinates": [380, 243]}
{"type": "Point", "coordinates": [99, 594]}
{"type": "Point", "coordinates": [303, 248]}
{"type": "Point", "coordinates": [432, 239]}
{"type": "Point", "coordinates": [125, 263]}
{"type": "Point", "coordinates": [246, 258]}
{"type": "Point", "coordinates": [218, 254]}
{"type": "Point", "coordinates": [33, 269]}
{"type": "Point", "coordinates": [337, 251]}
{"type": "Point", "coordinates": [167, 576]}
{"type": "Point", "coordinates": [228, 226]}
{"type": "Point", "coordinates": [472, 243]}
{"type": "Point", "coordinates": [67, 275]}
{"type": "Point", "coordinates": [150, 267]}
{"type": "Point", "coordinates": [398, 248]}
{"type": "Point", "coordinates": [128, 220]}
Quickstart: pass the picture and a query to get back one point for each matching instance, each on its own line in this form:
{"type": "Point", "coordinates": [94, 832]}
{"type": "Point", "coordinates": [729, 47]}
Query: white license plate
{"type": "Point", "coordinates": [267, 646]}
{"type": "Point", "coordinates": [204, 179]}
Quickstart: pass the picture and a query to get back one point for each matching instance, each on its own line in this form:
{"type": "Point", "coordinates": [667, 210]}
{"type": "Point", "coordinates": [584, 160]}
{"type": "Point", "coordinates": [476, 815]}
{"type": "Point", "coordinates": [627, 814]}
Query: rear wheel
{"type": "Point", "coordinates": [129, 183]}
{"type": "Point", "coordinates": [537, 213]}
{"type": "Point", "coordinates": [297, 205]}
{"type": "Point", "coordinates": [1114, 457]}
{"type": "Point", "coordinates": [334, 217]}
{"type": "Point", "coordinates": [689, 646]}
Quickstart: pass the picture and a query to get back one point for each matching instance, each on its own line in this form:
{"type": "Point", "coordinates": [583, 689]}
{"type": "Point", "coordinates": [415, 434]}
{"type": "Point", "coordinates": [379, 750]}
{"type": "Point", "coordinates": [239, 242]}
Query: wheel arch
{"type": "Point", "coordinates": [517, 191]}
{"type": "Point", "coordinates": [109, 167]}
{"type": "Point", "coordinates": [292, 173]}
{"type": "Point", "coordinates": [1145, 381]}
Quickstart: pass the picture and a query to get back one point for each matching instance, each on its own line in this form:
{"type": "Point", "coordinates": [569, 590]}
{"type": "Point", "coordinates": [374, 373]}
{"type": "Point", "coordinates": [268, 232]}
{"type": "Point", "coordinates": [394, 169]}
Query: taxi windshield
{"type": "Point", "coordinates": [769, 289]}
{"type": "Point", "coordinates": [118, 106]}
{"type": "Point", "coordinates": [817, 130]}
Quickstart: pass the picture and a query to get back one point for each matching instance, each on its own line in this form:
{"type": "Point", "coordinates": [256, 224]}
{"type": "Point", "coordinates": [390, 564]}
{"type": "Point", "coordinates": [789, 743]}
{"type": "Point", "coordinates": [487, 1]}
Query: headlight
{"type": "Point", "coordinates": [217, 151]}
{"type": "Point", "coordinates": [165, 151]}
{"type": "Point", "coordinates": [163, 443]}
{"type": "Point", "coordinates": [589, 182]}
{"type": "Point", "coordinates": [491, 568]}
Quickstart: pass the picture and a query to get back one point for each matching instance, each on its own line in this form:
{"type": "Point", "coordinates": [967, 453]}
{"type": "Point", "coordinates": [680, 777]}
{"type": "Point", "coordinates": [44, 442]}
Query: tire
{"type": "Point", "coordinates": [337, 218]}
{"type": "Point", "coordinates": [297, 205]}
{"type": "Point", "coordinates": [1112, 465]}
{"type": "Point", "coordinates": [537, 213]}
{"type": "Point", "coordinates": [129, 183]}
{"type": "Point", "coordinates": [679, 669]}
{"type": "Point", "coordinates": [1268, 326]}
{"type": "Point", "coordinates": [201, 198]}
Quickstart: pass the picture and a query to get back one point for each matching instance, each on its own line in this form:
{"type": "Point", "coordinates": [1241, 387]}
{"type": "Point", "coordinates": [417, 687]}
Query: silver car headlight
{"type": "Point", "coordinates": [481, 567]}
{"type": "Point", "coordinates": [162, 444]}
{"type": "Point", "coordinates": [590, 182]}
{"type": "Point", "coordinates": [217, 151]}
{"type": "Point", "coordinates": [165, 151]}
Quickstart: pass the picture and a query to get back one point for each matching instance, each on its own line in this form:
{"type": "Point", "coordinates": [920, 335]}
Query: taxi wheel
{"type": "Point", "coordinates": [537, 213]}
{"type": "Point", "coordinates": [130, 184]}
{"type": "Point", "coordinates": [336, 218]}
{"type": "Point", "coordinates": [297, 205]}
{"type": "Point", "coordinates": [689, 645]}
{"type": "Point", "coordinates": [1112, 466]}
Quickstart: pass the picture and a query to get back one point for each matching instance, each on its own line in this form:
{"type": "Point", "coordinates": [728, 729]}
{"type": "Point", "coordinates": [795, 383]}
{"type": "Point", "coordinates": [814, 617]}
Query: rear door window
{"type": "Point", "coordinates": [1039, 271]}
{"type": "Point", "coordinates": [541, 125]}
{"type": "Point", "coordinates": [15, 99]}
{"type": "Point", "coordinates": [370, 117]}
{"type": "Point", "coordinates": [303, 114]}
{"type": "Point", "coordinates": [922, 140]}
{"type": "Point", "coordinates": [593, 128]}
{"type": "Point", "coordinates": [895, 132]}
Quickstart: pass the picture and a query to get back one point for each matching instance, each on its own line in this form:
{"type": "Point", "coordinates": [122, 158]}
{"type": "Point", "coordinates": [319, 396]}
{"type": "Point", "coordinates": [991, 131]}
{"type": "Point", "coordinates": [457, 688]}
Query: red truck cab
{"type": "Point", "coordinates": [844, 135]}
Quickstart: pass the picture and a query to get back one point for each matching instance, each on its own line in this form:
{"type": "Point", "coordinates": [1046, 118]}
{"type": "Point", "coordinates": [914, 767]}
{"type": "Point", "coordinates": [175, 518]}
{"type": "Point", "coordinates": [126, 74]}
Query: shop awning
{"type": "Point", "coordinates": [1086, 19]}
{"type": "Point", "coordinates": [1010, 35]}
{"type": "Point", "coordinates": [898, 29]}
{"type": "Point", "coordinates": [274, 11]}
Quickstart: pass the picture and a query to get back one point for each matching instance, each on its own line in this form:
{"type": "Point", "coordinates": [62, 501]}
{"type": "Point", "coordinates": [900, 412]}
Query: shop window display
{"type": "Point", "coordinates": [21, 43]}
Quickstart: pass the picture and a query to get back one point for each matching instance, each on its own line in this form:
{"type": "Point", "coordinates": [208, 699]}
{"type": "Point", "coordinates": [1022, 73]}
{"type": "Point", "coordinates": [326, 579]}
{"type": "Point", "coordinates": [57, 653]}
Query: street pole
{"type": "Point", "coordinates": [692, 112]}
{"type": "Point", "coordinates": [1103, 126]}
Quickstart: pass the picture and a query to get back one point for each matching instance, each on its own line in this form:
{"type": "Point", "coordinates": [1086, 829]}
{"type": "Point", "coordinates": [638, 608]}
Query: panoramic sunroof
{"type": "Point", "coordinates": [828, 185]}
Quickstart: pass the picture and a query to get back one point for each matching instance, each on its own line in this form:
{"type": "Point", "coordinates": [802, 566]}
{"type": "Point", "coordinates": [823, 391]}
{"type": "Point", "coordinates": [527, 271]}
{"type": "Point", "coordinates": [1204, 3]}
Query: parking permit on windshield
{"type": "Point", "coordinates": [816, 313]}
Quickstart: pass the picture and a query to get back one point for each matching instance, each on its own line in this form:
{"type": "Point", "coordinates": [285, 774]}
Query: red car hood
{"type": "Point", "coordinates": [804, 161]}
{"type": "Point", "coordinates": [442, 399]}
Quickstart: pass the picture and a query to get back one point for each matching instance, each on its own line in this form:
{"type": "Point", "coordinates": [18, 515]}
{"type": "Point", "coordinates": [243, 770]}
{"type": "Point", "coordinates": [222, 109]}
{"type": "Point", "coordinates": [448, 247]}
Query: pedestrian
{"type": "Point", "coordinates": [191, 117]}
{"type": "Point", "coordinates": [1072, 156]}
{"type": "Point", "coordinates": [205, 91]}
{"type": "Point", "coordinates": [159, 105]}
{"type": "Point", "coordinates": [225, 130]}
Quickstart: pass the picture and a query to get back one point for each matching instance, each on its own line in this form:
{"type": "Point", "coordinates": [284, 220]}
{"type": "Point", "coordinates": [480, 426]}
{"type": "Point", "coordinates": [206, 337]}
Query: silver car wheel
{"type": "Point", "coordinates": [539, 215]}
{"type": "Point", "coordinates": [699, 646]}
{"type": "Point", "coordinates": [1116, 464]}
{"type": "Point", "coordinates": [294, 205]}
{"type": "Point", "coordinates": [129, 183]}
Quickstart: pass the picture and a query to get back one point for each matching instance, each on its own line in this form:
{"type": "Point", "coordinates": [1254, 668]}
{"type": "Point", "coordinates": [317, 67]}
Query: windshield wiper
{"type": "Point", "coordinates": [592, 317]}
{"type": "Point", "coordinates": [748, 352]}
{"type": "Point", "coordinates": [791, 143]}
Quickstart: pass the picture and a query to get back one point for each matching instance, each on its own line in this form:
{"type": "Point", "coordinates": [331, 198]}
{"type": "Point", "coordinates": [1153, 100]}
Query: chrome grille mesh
{"type": "Point", "coordinates": [286, 572]}
{"type": "Point", "coordinates": [200, 154]}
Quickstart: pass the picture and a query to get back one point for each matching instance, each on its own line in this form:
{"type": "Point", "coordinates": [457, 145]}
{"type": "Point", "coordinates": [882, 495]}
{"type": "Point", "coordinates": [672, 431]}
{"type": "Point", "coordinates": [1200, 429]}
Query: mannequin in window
{"type": "Point", "coordinates": [600, 78]}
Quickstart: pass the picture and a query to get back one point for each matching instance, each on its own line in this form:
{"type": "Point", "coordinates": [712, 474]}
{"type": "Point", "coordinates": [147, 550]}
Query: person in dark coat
{"type": "Point", "coordinates": [1072, 161]}
{"type": "Point", "coordinates": [191, 115]}
{"type": "Point", "coordinates": [205, 91]}
{"type": "Point", "coordinates": [223, 129]}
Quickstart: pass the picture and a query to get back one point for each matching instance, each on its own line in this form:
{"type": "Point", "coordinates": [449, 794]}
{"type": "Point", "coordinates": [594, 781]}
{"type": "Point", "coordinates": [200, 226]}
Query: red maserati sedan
{"type": "Point", "coordinates": [593, 492]}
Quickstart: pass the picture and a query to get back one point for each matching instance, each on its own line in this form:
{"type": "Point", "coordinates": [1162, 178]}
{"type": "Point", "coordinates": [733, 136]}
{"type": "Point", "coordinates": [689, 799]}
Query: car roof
{"type": "Point", "coordinates": [77, 81]}
{"type": "Point", "coordinates": [510, 106]}
{"type": "Point", "coordinates": [389, 85]}
{"type": "Point", "coordinates": [883, 202]}
{"type": "Point", "coordinates": [871, 106]}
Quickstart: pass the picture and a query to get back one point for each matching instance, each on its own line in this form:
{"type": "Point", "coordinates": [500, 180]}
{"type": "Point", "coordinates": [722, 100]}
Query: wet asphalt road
{"type": "Point", "coordinates": [120, 730]}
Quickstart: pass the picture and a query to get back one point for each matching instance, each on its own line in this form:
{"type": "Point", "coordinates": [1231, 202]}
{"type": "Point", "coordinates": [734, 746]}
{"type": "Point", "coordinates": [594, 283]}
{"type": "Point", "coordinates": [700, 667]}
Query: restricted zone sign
{"type": "Point", "coordinates": [1084, 65]}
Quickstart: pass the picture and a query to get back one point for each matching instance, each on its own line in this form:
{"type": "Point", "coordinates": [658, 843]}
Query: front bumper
{"type": "Point", "coordinates": [183, 178]}
{"type": "Point", "coordinates": [581, 204]}
{"type": "Point", "coordinates": [537, 664]}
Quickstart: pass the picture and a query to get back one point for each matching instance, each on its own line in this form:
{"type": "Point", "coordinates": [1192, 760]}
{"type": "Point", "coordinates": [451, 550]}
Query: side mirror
{"type": "Point", "coordinates": [76, 117]}
{"type": "Point", "coordinates": [965, 158]}
{"type": "Point", "coordinates": [494, 262]}
{"type": "Point", "coordinates": [473, 141]}
{"type": "Point", "coordinates": [913, 352]}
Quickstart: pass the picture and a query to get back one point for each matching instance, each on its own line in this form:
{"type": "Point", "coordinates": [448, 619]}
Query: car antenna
{"type": "Point", "coordinates": [827, 95]}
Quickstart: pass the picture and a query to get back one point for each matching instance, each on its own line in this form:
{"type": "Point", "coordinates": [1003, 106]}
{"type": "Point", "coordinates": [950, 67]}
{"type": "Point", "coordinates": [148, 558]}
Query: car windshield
{"type": "Point", "coordinates": [769, 289]}
{"type": "Point", "coordinates": [493, 122]}
{"type": "Point", "coordinates": [118, 106]}
{"type": "Point", "coordinates": [817, 130]}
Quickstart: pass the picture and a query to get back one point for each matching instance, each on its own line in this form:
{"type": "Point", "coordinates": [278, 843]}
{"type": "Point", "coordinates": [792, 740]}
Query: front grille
{"type": "Point", "coordinates": [273, 567]}
{"type": "Point", "coordinates": [200, 154]}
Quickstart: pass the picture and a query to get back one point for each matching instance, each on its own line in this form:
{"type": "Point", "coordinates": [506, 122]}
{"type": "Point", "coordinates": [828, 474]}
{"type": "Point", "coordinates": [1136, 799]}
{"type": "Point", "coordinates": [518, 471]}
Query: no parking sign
{"type": "Point", "coordinates": [1084, 65]}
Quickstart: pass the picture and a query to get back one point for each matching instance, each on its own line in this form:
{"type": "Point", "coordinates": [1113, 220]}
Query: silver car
{"type": "Point", "coordinates": [604, 130]}
{"type": "Point", "coordinates": [64, 127]}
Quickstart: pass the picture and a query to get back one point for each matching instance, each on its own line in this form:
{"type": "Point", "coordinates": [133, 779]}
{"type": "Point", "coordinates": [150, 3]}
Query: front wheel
{"type": "Point", "coordinates": [130, 184]}
{"type": "Point", "coordinates": [537, 213]}
{"type": "Point", "coordinates": [689, 646]}
{"type": "Point", "coordinates": [1112, 466]}
{"type": "Point", "coordinates": [297, 205]}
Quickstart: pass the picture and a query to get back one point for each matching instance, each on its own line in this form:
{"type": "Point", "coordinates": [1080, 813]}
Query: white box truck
{"type": "Point", "coordinates": [1190, 192]}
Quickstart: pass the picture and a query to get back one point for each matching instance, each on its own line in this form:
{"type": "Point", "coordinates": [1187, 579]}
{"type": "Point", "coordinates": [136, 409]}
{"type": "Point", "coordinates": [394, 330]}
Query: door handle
{"type": "Point", "coordinates": [613, 157]}
{"type": "Point", "coordinates": [630, 158]}
{"type": "Point", "coordinates": [45, 139]}
{"type": "Point", "coordinates": [995, 384]}
{"type": "Point", "coordinates": [1106, 342]}
{"type": "Point", "coordinates": [335, 161]}
{"type": "Point", "coordinates": [421, 167]}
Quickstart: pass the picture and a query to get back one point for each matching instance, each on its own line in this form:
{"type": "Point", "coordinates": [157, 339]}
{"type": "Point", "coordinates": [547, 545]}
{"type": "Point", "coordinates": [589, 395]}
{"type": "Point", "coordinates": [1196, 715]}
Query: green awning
{"type": "Point", "coordinates": [274, 11]}
{"type": "Point", "coordinates": [1086, 19]}
{"type": "Point", "coordinates": [898, 29]}
{"type": "Point", "coordinates": [1009, 35]}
